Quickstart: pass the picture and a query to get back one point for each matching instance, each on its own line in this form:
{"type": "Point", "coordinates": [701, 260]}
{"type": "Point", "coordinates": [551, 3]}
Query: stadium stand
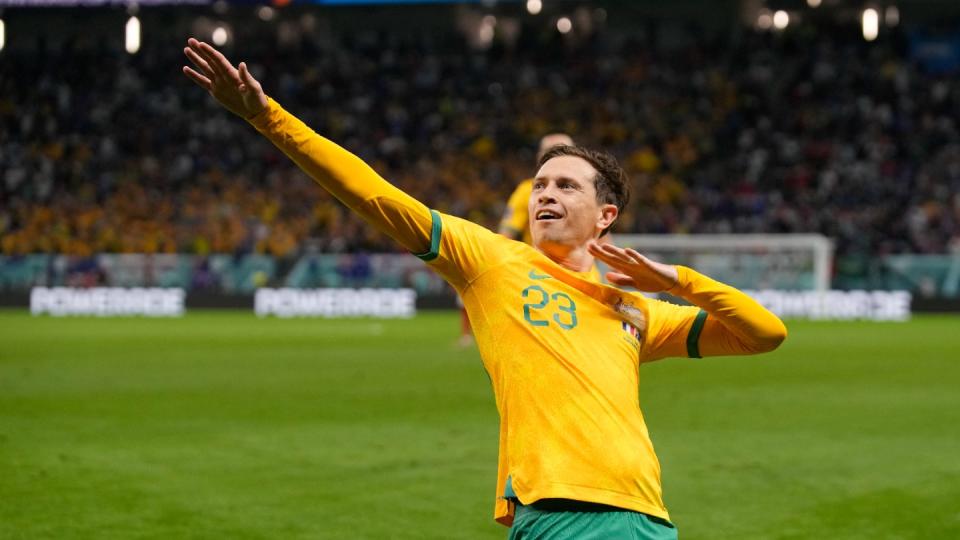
{"type": "Point", "coordinates": [817, 131]}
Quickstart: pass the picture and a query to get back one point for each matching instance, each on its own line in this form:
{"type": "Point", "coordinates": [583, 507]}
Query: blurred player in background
{"type": "Point", "coordinates": [562, 351]}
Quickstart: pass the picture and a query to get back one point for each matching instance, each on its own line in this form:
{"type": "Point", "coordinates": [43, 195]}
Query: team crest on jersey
{"type": "Point", "coordinates": [634, 320]}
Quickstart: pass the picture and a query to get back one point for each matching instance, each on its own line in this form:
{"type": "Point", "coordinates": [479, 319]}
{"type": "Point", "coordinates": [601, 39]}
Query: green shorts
{"type": "Point", "coordinates": [549, 520]}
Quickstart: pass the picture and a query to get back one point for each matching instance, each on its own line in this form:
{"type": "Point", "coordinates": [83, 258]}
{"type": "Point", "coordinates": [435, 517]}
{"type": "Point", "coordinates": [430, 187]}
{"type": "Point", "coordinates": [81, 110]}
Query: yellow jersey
{"type": "Point", "coordinates": [563, 351]}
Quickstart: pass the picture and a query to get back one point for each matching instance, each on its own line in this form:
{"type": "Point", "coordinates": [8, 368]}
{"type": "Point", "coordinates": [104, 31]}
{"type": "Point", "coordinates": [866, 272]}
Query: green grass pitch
{"type": "Point", "coordinates": [222, 425]}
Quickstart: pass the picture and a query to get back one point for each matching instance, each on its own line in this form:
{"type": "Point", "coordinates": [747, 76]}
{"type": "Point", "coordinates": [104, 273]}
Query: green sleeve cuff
{"type": "Point", "coordinates": [693, 338]}
{"type": "Point", "coordinates": [436, 232]}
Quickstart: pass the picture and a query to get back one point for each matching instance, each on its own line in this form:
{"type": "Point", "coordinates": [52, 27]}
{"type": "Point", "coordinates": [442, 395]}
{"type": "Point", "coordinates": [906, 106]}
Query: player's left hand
{"type": "Point", "coordinates": [631, 269]}
{"type": "Point", "coordinates": [234, 87]}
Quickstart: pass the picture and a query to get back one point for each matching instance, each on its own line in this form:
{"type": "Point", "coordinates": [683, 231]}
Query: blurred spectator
{"type": "Point", "coordinates": [84, 272]}
{"type": "Point", "coordinates": [203, 277]}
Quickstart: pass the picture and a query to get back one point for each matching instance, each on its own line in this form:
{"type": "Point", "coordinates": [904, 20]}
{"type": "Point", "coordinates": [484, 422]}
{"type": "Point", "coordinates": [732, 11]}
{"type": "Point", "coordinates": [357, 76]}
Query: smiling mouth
{"type": "Point", "coordinates": [547, 215]}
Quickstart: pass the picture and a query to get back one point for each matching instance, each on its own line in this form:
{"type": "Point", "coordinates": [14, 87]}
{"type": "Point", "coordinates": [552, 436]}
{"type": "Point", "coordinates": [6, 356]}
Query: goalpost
{"type": "Point", "coordinates": [747, 261]}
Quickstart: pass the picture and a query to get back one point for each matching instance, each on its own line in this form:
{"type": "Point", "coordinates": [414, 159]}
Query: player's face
{"type": "Point", "coordinates": [564, 212]}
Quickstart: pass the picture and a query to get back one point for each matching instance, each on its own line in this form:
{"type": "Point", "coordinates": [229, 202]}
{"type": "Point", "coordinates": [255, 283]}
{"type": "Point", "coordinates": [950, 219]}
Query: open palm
{"type": "Point", "coordinates": [234, 87]}
{"type": "Point", "coordinates": [631, 269]}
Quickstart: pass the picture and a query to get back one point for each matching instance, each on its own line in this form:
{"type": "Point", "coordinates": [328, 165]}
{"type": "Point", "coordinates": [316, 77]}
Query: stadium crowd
{"type": "Point", "coordinates": [754, 133]}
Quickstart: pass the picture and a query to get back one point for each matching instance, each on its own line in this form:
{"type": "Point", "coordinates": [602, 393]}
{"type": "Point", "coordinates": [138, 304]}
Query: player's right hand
{"type": "Point", "coordinates": [631, 269]}
{"type": "Point", "coordinates": [234, 88]}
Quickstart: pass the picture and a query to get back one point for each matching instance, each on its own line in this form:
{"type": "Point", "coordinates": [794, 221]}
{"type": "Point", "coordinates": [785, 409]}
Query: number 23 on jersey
{"type": "Point", "coordinates": [543, 308]}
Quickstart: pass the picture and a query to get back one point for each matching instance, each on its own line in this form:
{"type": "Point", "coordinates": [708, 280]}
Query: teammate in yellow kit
{"type": "Point", "coordinates": [562, 350]}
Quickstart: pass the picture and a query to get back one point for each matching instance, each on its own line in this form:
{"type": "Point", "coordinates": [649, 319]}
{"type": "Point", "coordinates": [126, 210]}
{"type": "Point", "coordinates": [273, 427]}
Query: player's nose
{"type": "Point", "coordinates": [546, 195]}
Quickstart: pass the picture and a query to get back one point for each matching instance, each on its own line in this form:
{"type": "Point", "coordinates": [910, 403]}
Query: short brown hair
{"type": "Point", "coordinates": [611, 182]}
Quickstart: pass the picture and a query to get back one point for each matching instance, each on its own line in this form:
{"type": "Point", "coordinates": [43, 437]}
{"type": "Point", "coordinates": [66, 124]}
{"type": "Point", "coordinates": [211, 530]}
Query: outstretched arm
{"type": "Point", "coordinates": [735, 323]}
{"type": "Point", "coordinates": [338, 171]}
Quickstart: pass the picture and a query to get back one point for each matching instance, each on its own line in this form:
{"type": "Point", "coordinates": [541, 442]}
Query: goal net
{"type": "Point", "coordinates": [747, 261]}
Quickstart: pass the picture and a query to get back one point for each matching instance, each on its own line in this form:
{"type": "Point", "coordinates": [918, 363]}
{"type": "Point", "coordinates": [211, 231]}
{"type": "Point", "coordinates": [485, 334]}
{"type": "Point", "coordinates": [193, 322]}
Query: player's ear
{"type": "Point", "coordinates": [608, 214]}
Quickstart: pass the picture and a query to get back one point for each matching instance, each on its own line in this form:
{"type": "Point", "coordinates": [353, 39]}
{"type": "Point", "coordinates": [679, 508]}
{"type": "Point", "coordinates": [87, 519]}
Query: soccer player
{"type": "Point", "coordinates": [563, 352]}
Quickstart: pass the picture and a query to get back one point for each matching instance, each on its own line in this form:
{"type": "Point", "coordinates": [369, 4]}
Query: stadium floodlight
{"type": "Point", "coordinates": [892, 16]}
{"type": "Point", "coordinates": [486, 31]}
{"type": "Point", "coordinates": [534, 6]}
{"type": "Point", "coordinates": [781, 19]}
{"type": "Point", "coordinates": [265, 13]}
{"type": "Point", "coordinates": [219, 36]}
{"type": "Point", "coordinates": [871, 24]}
{"type": "Point", "coordinates": [764, 19]}
{"type": "Point", "coordinates": [564, 25]}
{"type": "Point", "coordinates": [132, 41]}
{"type": "Point", "coordinates": [813, 3]}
